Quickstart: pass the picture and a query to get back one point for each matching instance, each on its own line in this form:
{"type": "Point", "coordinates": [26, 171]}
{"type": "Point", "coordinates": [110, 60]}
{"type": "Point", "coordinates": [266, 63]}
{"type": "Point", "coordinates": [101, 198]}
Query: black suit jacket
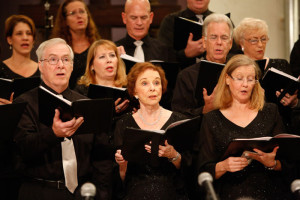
{"type": "Point", "coordinates": [41, 153]}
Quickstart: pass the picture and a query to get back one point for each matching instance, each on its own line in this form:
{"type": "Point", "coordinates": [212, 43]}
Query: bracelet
{"type": "Point", "coordinates": [273, 167]}
{"type": "Point", "coordinates": [175, 158]}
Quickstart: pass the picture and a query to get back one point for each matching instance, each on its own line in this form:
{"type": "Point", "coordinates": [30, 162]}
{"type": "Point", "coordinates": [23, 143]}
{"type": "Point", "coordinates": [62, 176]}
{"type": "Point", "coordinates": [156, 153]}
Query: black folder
{"type": "Point", "coordinates": [180, 134]}
{"type": "Point", "coordinates": [275, 80]}
{"type": "Point", "coordinates": [18, 86]}
{"type": "Point", "coordinates": [10, 116]}
{"type": "Point", "coordinates": [289, 146]}
{"type": "Point", "coordinates": [100, 91]}
{"type": "Point", "coordinates": [97, 113]}
{"type": "Point", "coordinates": [182, 29]}
{"type": "Point", "coordinates": [208, 77]}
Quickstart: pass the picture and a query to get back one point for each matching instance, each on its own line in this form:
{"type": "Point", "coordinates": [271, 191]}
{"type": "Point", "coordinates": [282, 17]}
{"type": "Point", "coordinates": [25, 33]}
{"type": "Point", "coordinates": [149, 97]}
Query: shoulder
{"type": "Point", "coordinates": [121, 41]}
{"type": "Point", "coordinates": [77, 95]}
{"type": "Point", "coordinates": [30, 97]}
{"type": "Point", "coordinates": [81, 89]}
{"type": "Point", "coordinates": [270, 109]}
{"type": "Point", "coordinates": [125, 119]}
{"type": "Point", "coordinates": [278, 62]}
{"type": "Point", "coordinates": [192, 70]}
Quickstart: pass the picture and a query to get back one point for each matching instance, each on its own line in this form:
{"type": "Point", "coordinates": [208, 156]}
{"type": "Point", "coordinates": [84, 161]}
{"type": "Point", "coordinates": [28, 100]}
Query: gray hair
{"type": "Point", "coordinates": [249, 24]}
{"type": "Point", "coordinates": [48, 43]}
{"type": "Point", "coordinates": [218, 18]}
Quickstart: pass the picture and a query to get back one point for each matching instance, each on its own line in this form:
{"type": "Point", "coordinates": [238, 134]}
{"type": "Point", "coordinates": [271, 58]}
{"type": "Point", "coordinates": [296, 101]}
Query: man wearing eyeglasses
{"type": "Point", "coordinates": [57, 161]}
{"type": "Point", "coordinates": [217, 39]}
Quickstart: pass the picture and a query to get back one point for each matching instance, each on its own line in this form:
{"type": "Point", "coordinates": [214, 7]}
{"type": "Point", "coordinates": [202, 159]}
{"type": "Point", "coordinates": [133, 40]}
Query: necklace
{"type": "Point", "coordinates": [153, 123]}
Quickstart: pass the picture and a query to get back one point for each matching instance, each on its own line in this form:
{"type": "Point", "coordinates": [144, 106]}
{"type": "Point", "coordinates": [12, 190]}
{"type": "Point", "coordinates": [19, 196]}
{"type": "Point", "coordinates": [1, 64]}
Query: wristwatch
{"type": "Point", "coordinates": [175, 158]}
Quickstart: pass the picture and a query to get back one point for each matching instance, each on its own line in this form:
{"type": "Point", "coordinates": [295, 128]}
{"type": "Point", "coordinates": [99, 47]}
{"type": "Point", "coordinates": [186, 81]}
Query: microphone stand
{"type": "Point", "coordinates": [48, 20]}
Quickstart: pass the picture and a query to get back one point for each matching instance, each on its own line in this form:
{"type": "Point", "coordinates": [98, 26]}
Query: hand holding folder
{"type": "Point", "coordinates": [180, 134]}
{"type": "Point", "coordinates": [97, 113]}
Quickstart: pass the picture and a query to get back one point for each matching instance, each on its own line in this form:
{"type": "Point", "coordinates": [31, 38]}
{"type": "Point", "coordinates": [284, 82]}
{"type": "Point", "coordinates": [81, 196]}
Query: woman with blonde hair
{"type": "Point", "coordinates": [104, 67]}
{"type": "Point", "coordinates": [252, 35]}
{"type": "Point", "coordinates": [242, 113]}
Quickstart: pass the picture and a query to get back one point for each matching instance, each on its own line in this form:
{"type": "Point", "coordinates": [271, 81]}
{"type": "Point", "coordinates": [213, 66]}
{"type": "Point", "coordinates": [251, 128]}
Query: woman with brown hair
{"type": "Point", "coordinates": [20, 36]}
{"type": "Point", "coordinates": [74, 24]}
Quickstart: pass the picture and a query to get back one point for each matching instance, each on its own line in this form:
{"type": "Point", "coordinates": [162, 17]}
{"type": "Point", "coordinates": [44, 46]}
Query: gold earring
{"type": "Point", "coordinates": [10, 47]}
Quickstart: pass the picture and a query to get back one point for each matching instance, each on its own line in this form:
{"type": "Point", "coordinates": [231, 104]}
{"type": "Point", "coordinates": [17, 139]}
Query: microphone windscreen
{"type": "Point", "coordinates": [88, 190]}
{"type": "Point", "coordinates": [204, 176]}
{"type": "Point", "coordinates": [295, 186]}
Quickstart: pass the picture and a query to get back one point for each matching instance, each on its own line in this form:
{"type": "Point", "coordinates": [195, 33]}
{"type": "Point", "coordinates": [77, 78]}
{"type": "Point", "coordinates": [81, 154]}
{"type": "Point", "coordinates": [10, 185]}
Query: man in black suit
{"type": "Point", "coordinates": [138, 17]}
{"type": "Point", "coordinates": [197, 11]}
{"type": "Point", "coordinates": [217, 39]}
{"type": "Point", "coordinates": [57, 160]}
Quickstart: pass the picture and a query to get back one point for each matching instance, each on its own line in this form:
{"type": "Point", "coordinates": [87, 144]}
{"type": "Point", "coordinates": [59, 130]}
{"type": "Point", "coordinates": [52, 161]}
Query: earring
{"type": "Point", "coordinates": [10, 47]}
{"type": "Point", "coordinates": [136, 96]}
{"type": "Point", "coordinates": [242, 48]}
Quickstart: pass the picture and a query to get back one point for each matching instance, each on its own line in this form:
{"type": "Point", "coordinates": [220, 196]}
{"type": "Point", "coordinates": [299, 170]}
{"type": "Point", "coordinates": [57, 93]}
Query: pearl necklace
{"type": "Point", "coordinates": [153, 123]}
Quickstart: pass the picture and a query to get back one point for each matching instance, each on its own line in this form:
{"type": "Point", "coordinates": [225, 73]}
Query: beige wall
{"type": "Point", "coordinates": [272, 11]}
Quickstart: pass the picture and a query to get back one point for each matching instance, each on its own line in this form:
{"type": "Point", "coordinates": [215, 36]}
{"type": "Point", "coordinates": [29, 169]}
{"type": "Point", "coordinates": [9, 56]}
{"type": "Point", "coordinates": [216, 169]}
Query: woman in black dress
{"type": "Point", "coordinates": [20, 36]}
{"type": "Point", "coordinates": [252, 36]}
{"type": "Point", "coordinates": [75, 24]}
{"type": "Point", "coordinates": [242, 113]}
{"type": "Point", "coordinates": [145, 181]}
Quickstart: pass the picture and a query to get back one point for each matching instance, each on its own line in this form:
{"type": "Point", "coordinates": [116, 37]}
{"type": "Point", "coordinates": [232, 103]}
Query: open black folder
{"type": "Point", "coordinates": [100, 91]}
{"type": "Point", "coordinates": [275, 80]}
{"type": "Point", "coordinates": [182, 29]}
{"type": "Point", "coordinates": [289, 146]}
{"type": "Point", "coordinates": [10, 116]}
{"type": "Point", "coordinates": [180, 134]}
{"type": "Point", "coordinates": [18, 86]}
{"type": "Point", "coordinates": [208, 77]}
{"type": "Point", "coordinates": [97, 113]}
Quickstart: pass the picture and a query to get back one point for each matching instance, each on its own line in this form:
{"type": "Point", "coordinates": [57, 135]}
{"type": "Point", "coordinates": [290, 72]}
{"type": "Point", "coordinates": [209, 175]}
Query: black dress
{"type": "Point", "coordinates": [148, 182]}
{"type": "Point", "coordinates": [79, 66]}
{"type": "Point", "coordinates": [254, 181]}
{"type": "Point", "coordinates": [6, 72]}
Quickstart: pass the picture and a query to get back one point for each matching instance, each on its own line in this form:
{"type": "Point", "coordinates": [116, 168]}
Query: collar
{"type": "Point", "coordinates": [131, 40]}
{"type": "Point", "coordinates": [66, 93]}
{"type": "Point", "coordinates": [191, 15]}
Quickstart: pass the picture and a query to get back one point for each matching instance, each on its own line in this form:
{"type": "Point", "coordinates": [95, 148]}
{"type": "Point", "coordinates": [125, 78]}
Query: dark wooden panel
{"type": "Point", "coordinates": [105, 16]}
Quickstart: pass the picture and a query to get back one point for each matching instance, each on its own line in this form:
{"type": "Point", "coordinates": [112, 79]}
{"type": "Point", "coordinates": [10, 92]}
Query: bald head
{"type": "Point", "coordinates": [145, 4]}
{"type": "Point", "coordinates": [137, 17]}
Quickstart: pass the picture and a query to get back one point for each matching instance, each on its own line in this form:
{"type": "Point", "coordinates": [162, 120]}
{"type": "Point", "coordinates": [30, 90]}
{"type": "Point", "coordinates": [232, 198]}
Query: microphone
{"type": "Point", "coordinates": [206, 179]}
{"type": "Point", "coordinates": [295, 187]}
{"type": "Point", "coordinates": [88, 191]}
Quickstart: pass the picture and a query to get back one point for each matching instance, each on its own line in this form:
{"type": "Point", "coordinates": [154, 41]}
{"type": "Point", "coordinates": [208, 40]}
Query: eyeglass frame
{"type": "Point", "coordinates": [255, 41]}
{"type": "Point", "coordinates": [241, 81]}
{"type": "Point", "coordinates": [214, 38]}
{"type": "Point", "coordinates": [74, 13]}
{"type": "Point", "coordinates": [57, 60]}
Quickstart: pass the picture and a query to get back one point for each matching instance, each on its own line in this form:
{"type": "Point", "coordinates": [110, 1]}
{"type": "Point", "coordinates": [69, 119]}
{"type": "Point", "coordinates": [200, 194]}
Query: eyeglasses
{"type": "Point", "coordinates": [240, 80]}
{"type": "Point", "coordinates": [54, 60]}
{"type": "Point", "coordinates": [73, 13]}
{"type": "Point", "coordinates": [224, 38]}
{"type": "Point", "coordinates": [254, 41]}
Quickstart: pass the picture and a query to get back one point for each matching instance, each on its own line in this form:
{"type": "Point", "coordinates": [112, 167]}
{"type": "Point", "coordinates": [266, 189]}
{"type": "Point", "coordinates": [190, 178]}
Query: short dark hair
{"type": "Point", "coordinates": [13, 20]}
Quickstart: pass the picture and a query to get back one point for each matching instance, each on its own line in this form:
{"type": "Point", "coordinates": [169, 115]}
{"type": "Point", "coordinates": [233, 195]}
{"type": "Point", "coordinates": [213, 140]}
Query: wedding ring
{"type": "Point", "coordinates": [118, 108]}
{"type": "Point", "coordinates": [283, 102]}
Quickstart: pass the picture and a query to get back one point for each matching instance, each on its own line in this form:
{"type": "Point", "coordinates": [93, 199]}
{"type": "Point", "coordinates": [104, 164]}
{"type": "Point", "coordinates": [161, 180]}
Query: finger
{"type": "Point", "coordinates": [166, 143]}
{"type": "Point", "coordinates": [260, 153]}
{"type": "Point", "coordinates": [277, 93]}
{"type": "Point", "coordinates": [275, 150]}
{"type": "Point", "coordinates": [11, 97]}
{"type": "Point", "coordinates": [190, 39]}
{"type": "Point", "coordinates": [117, 101]}
{"type": "Point", "coordinates": [56, 115]}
